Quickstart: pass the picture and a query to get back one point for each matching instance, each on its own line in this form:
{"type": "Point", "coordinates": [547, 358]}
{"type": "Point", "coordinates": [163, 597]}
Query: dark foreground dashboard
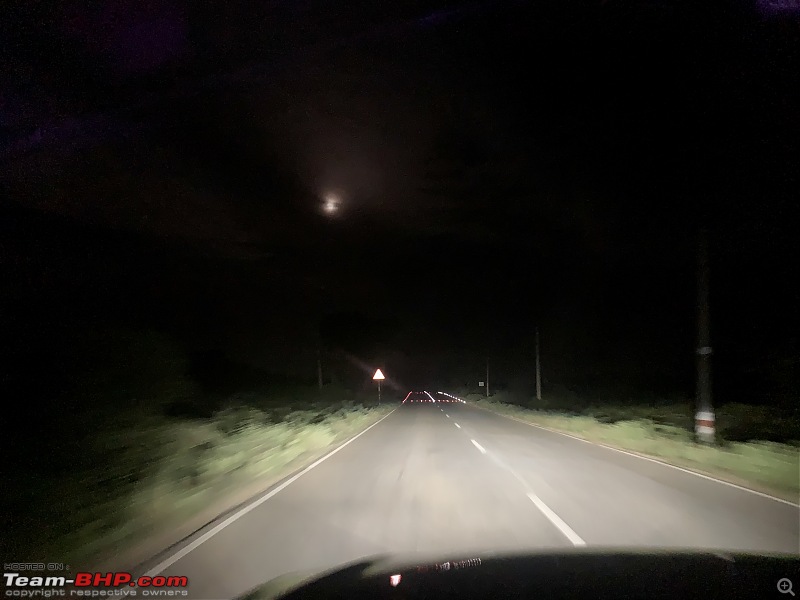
{"type": "Point", "coordinates": [579, 574]}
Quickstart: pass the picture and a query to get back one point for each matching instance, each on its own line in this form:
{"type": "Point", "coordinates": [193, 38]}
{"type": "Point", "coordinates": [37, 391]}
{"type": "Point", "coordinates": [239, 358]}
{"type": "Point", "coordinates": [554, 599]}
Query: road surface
{"type": "Point", "coordinates": [458, 480]}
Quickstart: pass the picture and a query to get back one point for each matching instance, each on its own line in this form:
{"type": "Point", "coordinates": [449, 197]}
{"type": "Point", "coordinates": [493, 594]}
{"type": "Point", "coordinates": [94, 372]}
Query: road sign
{"type": "Point", "coordinates": [480, 384]}
{"type": "Point", "coordinates": [378, 377]}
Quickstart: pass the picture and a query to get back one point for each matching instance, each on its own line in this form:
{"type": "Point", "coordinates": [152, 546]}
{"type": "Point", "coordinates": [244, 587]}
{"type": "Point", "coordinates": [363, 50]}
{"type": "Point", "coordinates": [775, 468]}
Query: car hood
{"type": "Point", "coordinates": [592, 573]}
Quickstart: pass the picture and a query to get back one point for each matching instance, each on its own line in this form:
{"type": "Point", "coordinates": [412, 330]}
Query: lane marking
{"type": "Point", "coordinates": [166, 563]}
{"type": "Point", "coordinates": [565, 529]}
{"type": "Point", "coordinates": [446, 415]}
{"type": "Point", "coordinates": [648, 458]}
{"type": "Point", "coordinates": [479, 447]}
{"type": "Point", "coordinates": [568, 532]}
{"type": "Point", "coordinates": [513, 473]}
{"type": "Point", "coordinates": [556, 520]}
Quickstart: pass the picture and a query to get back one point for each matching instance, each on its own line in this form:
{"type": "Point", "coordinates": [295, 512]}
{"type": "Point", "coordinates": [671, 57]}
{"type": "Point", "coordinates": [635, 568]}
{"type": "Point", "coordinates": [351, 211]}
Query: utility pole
{"type": "Point", "coordinates": [538, 370]}
{"type": "Point", "coordinates": [704, 417]}
{"type": "Point", "coordinates": [487, 376]}
{"type": "Point", "coordinates": [319, 368]}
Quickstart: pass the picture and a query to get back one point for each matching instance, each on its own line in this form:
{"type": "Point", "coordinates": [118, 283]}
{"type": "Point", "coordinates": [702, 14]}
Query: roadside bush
{"type": "Point", "coordinates": [667, 432]}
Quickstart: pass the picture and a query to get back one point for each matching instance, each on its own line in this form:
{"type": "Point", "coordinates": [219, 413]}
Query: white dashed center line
{"type": "Point", "coordinates": [555, 520]}
{"type": "Point", "coordinates": [545, 510]}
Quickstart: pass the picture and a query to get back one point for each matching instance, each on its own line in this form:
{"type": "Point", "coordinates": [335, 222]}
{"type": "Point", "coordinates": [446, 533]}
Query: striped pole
{"type": "Point", "coordinates": [704, 427]}
{"type": "Point", "coordinates": [704, 417]}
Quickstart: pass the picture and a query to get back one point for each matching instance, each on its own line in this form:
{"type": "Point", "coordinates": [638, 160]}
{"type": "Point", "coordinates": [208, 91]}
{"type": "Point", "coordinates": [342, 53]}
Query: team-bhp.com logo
{"type": "Point", "coordinates": [95, 585]}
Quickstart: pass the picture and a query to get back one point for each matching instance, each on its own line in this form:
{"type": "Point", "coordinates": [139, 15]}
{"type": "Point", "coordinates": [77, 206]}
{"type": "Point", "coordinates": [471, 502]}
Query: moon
{"type": "Point", "coordinates": [331, 204]}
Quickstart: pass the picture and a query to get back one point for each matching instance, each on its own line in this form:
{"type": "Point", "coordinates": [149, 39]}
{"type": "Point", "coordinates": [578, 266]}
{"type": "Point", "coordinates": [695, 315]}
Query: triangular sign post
{"type": "Point", "coordinates": [378, 377]}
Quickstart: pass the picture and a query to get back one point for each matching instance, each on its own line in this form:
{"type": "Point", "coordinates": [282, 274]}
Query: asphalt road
{"type": "Point", "coordinates": [457, 480]}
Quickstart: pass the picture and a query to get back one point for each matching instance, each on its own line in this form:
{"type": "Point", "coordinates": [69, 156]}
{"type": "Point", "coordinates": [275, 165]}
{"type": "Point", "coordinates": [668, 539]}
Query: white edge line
{"type": "Point", "coordinates": [653, 460]}
{"type": "Point", "coordinates": [256, 503]}
{"type": "Point", "coordinates": [557, 521]}
{"type": "Point", "coordinates": [479, 447]}
{"type": "Point", "coordinates": [457, 425]}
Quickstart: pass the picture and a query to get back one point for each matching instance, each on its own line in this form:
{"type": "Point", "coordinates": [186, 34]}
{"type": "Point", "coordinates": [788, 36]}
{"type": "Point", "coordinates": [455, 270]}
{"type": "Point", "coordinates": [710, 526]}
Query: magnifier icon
{"type": "Point", "coordinates": [785, 586]}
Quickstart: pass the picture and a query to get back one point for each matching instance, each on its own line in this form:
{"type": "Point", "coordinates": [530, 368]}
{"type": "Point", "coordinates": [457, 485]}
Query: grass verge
{"type": "Point", "coordinates": [162, 474]}
{"type": "Point", "coordinates": [765, 466]}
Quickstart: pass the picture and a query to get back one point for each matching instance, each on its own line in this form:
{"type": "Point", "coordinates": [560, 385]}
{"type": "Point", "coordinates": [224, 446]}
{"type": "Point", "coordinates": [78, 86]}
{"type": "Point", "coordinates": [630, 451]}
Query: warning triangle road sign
{"type": "Point", "coordinates": [378, 375]}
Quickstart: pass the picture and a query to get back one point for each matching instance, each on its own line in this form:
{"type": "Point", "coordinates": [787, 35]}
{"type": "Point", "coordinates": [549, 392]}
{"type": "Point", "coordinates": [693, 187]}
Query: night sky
{"type": "Point", "coordinates": [497, 166]}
